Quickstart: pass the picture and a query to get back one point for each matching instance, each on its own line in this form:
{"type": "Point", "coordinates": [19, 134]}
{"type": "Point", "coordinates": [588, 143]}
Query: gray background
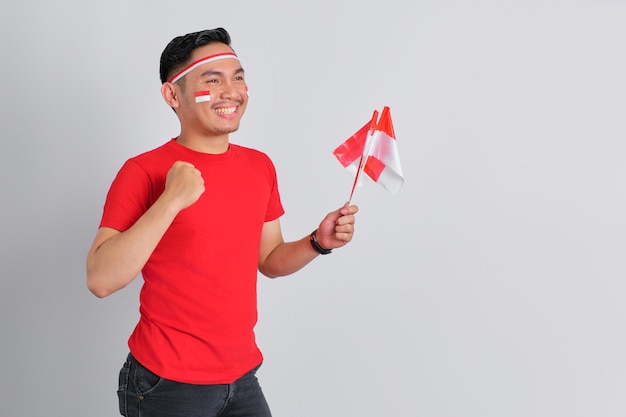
{"type": "Point", "coordinates": [491, 285]}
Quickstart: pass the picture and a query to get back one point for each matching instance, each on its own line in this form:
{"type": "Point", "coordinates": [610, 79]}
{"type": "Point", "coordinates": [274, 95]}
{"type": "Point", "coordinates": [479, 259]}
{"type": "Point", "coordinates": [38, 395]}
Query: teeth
{"type": "Point", "coordinates": [225, 110]}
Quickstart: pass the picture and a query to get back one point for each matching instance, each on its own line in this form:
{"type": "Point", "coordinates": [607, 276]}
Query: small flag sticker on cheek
{"type": "Point", "coordinates": [202, 96]}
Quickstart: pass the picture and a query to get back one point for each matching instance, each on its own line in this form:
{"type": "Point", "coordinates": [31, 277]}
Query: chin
{"type": "Point", "coordinates": [227, 130]}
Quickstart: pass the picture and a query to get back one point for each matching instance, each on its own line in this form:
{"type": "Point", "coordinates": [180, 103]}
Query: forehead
{"type": "Point", "coordinates": [225, 65]}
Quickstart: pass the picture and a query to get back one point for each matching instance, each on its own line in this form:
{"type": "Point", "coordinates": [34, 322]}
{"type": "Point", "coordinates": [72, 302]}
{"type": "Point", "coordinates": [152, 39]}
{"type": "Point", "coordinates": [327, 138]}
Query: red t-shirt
{"type": "Point", "coordinates": [198, 304]}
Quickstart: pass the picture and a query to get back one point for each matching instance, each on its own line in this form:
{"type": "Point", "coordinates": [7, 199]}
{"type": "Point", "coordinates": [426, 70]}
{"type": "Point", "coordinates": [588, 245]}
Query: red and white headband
{"type": "Point", "coordinates": [201, 61]}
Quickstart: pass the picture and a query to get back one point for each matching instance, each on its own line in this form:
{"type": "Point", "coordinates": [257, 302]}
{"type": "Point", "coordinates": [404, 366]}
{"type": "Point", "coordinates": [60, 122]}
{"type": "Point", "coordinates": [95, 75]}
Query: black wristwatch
{"type": "Point", "coordinates": [316, 245]}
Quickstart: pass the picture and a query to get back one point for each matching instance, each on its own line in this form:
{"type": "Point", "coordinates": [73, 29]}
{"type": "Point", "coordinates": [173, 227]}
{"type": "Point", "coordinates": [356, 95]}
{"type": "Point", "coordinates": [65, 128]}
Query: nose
{"type": "Point", "coordinates": [230, 90]}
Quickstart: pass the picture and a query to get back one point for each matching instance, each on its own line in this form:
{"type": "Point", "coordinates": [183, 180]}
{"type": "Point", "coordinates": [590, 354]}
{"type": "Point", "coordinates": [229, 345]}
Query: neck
{"type": "Point", "coordinates": [204, 144]}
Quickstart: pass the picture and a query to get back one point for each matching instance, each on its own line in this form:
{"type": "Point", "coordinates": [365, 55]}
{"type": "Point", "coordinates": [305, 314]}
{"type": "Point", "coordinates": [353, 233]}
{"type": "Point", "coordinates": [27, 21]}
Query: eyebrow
{"type": "Point", "coordinates": [208, 73]}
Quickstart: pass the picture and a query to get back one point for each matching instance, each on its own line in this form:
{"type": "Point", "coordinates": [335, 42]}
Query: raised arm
{"type": "Point", "coordinates": [116, 258]}
{"type": "Point", "coordinates": [279, 258]}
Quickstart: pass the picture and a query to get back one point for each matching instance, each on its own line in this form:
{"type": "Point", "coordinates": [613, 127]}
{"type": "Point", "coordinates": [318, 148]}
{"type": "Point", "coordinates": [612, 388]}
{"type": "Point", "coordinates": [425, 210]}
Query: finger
{"type": "Point", "coordinates": [184, 163]}
{"type": "Point", "coordinates": [344, 237]}
{"type": "Point", "coordinates": [333, 216]}
{"type": "Point", "coordinates": [349, 209]}
{"type": "Point", "coordinates": [345, 228]}
{"type": "Point", "coordinates": [347, 219]}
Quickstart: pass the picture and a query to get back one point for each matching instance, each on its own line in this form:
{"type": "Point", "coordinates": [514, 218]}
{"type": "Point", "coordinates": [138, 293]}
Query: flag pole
{"type": "Point", "coordinates": [364, 155]}
{"type": "Point", "coordinates": [356, 179]}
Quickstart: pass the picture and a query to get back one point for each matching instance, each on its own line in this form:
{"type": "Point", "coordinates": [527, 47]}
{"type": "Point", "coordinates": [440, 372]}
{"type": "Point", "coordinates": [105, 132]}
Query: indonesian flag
{"type": "Point", "coordinates": [203, 96]}
{"type": "Point", "coordinates": [373, 149]}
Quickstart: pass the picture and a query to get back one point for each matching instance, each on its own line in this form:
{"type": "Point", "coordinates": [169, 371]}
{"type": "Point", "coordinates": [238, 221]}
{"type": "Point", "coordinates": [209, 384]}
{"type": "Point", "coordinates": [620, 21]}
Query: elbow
{"type": "Point", "coordinates": [96, 286]}
{"type": "Point", "coordinates": [268, 273]}
{"type": "Point", "coordinates": [97, 290]}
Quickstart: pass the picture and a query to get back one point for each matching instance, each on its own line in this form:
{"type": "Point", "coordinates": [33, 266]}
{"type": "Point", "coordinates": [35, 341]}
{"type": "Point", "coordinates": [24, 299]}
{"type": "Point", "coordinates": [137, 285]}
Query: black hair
{"type": "Point", "coordinates": [178, 52]}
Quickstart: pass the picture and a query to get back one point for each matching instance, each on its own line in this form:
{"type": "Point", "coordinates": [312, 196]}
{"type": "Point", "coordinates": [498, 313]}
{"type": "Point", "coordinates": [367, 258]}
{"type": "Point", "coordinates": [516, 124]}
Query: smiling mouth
{"type": "Point", "coordinates": [225, 110]}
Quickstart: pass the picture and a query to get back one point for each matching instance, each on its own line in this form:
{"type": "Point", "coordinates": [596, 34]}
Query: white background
{"type": "Point", "coordinates": [492, 284]}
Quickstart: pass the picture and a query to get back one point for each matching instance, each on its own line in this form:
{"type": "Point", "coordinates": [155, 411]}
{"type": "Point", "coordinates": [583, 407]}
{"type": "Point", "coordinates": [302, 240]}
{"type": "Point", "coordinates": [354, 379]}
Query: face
{"type": "Point", "coordinates": [213, 96]}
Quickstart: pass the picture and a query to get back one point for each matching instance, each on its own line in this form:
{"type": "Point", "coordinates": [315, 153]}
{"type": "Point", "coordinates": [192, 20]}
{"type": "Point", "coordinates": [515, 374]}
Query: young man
{"type": "Point", "coordinates": [198, 216]}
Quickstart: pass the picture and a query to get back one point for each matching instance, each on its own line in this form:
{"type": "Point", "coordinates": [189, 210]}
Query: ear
{"type": "Point", "coordinates": [171, 94]}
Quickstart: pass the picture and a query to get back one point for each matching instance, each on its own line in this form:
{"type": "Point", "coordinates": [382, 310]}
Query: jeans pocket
{"type": "Point", "coordinates": [146, 381]}
{"type": "Point", "coordinates": [123, 388]}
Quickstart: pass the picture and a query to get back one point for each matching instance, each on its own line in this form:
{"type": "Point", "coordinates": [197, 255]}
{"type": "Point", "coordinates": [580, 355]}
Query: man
{"type": "Point", "coordinates": [198, 216]}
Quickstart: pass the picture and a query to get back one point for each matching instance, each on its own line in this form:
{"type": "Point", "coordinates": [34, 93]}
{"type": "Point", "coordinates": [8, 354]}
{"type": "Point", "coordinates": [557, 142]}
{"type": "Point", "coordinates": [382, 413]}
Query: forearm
{"type": "Point", "coordinates": [117, 260]}
{"type": "Point", "coordinates": [287, 258]}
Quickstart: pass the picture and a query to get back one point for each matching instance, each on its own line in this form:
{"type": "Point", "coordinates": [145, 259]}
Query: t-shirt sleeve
{"type": "Point", "coordinates": [128, 197]}
{"type": "Point", "coordinates": [274, 207]}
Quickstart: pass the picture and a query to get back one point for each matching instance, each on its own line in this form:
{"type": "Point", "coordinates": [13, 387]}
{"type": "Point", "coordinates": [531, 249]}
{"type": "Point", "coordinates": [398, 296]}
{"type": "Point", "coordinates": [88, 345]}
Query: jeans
{"type": "Point", "coordinates": [141, 393]}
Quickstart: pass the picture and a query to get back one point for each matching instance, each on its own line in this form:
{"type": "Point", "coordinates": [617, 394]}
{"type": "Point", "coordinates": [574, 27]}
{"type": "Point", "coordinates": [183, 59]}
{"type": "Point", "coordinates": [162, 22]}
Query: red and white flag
{"type": "Point", "coordinates": [373, 150]}
{"type": "Point", "coordinates": [203, 96]}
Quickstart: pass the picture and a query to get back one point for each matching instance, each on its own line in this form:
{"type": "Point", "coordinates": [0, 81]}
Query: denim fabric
{"type": "Point", "coordinates": [142, 393]}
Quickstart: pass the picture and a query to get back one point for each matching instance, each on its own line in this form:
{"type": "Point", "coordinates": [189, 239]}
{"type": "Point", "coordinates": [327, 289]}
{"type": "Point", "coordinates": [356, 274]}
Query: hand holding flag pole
{"type": "Point", "coordinates": [373, 149]}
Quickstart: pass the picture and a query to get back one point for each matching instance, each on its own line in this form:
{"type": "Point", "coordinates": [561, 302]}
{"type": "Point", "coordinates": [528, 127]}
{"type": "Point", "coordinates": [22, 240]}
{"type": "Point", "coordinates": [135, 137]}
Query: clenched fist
{"type": "Point", "coordinates": [183, 185]}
